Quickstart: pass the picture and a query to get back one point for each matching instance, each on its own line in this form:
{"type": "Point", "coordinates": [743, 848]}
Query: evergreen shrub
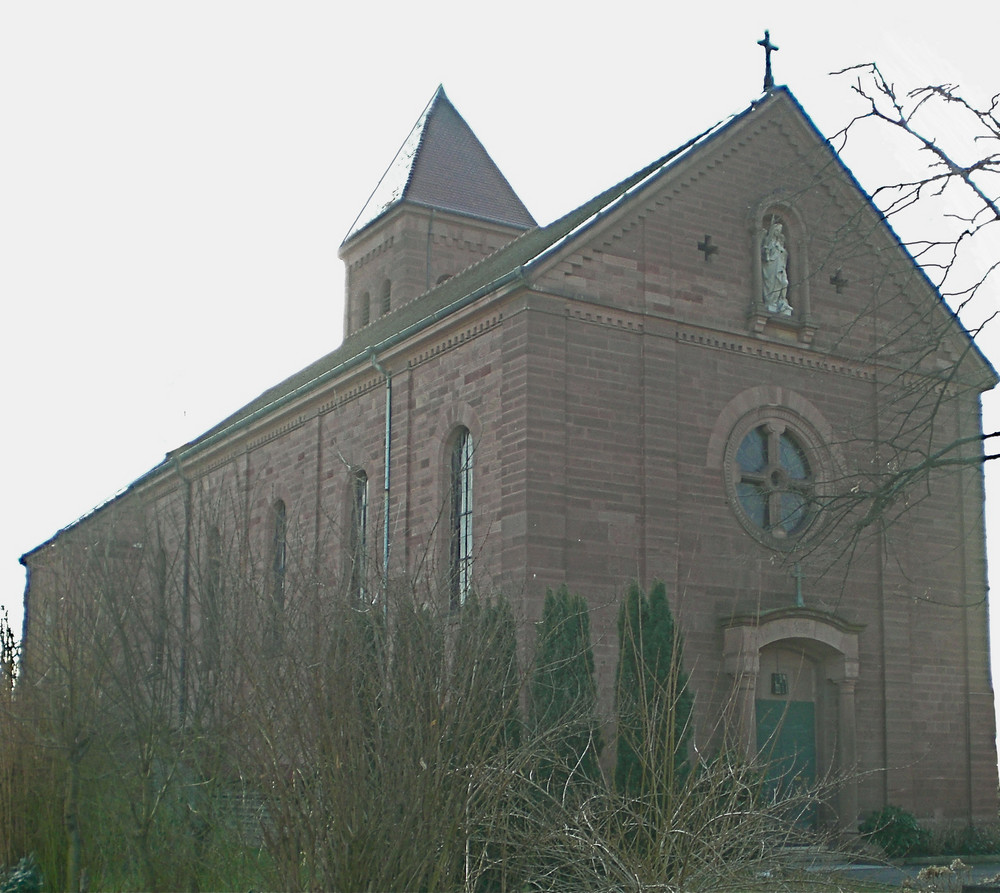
{"type": "Point", "coordinates": [25, 877]}
{"type": "Point", "coordinates": [896, 831]}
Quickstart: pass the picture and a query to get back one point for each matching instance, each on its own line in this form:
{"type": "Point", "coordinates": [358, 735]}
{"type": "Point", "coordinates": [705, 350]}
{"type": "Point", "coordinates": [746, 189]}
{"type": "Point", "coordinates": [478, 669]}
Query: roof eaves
{"type": "Point", "coordinates": [458, 212]}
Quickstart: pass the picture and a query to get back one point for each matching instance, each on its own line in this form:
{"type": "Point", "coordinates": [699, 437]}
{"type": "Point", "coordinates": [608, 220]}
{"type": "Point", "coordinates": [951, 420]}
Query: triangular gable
{"type": "Point", "coordinates": [690, 163]}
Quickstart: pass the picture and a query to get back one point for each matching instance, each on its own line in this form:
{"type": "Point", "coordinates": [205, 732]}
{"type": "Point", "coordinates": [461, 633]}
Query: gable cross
{"type": "Point", "coordinates": [839, 282]}
{"type": "Point", "coordinates": [708, 247]}
{"type": "Point", "coordinates": [768, 49]}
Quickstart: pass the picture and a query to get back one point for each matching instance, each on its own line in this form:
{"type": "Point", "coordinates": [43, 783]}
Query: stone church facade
{"type": "Point", "coordinates": [712, 374]}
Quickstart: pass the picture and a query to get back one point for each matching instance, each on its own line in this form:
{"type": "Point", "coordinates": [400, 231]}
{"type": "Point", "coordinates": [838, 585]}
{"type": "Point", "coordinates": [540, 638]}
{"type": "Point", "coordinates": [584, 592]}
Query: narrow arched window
{"type": "Point", "coordinates": [366, 309]}
{"type": "Point", "coordinates": [460, 552]}
{"type": "Point", "coordinates": [279, 557]}
{"type": "Point", "coordinates": [386, 300]}
{"type": "Point", "coordinates": [358, 540]}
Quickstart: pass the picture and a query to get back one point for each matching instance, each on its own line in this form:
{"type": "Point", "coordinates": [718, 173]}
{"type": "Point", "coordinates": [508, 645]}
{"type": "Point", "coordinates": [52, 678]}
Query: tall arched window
{"type": "Point", "coordinates": [460, 552]}
{"type": "Point", "coordinates": [358, 539]}
{"type": "Point", "coordinates": [386, 300]}
{"type": "Point", "coordinates": [279, 557]}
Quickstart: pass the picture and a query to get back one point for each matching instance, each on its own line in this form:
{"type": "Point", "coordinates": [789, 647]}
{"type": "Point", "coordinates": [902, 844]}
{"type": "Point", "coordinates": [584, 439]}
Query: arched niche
{"type": "Point", "coordinates": [780, 299]}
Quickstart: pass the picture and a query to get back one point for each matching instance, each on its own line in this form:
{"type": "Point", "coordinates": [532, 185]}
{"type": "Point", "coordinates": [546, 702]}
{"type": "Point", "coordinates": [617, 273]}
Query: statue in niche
{"type": "Point", "coordinates": [774, 269]}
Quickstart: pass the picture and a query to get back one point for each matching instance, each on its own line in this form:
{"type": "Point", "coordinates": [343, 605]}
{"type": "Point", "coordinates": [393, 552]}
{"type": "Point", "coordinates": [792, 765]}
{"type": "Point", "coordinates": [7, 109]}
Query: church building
{"type": "Point", "coordinates": [724, 372]}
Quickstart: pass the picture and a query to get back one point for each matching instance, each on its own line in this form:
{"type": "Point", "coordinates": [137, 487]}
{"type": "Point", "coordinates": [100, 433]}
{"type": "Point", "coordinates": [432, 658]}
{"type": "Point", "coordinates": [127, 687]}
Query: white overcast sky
{"type": "Point", "coordinates": [176, 177]}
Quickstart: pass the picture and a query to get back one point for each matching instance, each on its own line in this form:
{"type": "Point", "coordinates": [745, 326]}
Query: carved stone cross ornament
{"type": "Point", "coordinates": [707, 247]}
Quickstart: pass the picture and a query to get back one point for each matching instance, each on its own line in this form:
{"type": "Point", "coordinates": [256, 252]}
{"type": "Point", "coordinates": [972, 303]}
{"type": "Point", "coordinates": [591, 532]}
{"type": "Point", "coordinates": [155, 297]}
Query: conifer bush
{"type": "Point", "coordinates": [25, 877]}
{"type": "Point", "coordinates": [564, 692]}
{"type": "Point", "coordinates": [653, 699]}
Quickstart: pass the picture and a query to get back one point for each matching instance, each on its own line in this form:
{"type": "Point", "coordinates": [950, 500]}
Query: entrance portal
{"type": "Point", "coordinates": [794, 672]}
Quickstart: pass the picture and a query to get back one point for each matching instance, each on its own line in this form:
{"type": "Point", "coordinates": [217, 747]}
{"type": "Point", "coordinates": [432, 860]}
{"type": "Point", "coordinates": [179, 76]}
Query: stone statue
{"type": "Point", "coordinates": [774, 270]}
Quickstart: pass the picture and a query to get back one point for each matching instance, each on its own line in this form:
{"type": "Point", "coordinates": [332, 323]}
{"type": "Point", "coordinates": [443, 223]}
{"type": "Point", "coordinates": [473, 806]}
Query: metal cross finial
{"type": "Point", "coordinates": [768, 49]}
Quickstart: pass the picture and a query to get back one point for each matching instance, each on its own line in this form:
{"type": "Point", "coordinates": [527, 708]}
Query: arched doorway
{"type": "Point", "coordinates": [794, 672]}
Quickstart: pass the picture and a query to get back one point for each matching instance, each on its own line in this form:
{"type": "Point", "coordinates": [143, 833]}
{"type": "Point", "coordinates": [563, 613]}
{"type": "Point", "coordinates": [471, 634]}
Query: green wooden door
{"type": "Point", "coordinates": [786, 741]}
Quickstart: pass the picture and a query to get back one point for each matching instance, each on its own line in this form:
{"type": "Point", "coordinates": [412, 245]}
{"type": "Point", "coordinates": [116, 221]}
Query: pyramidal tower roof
{"type": "Point", "coordinates": [442, 164]}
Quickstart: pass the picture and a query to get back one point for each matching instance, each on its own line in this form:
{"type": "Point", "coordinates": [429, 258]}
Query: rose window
{"type": "Point", "coordinates": [774, 483]}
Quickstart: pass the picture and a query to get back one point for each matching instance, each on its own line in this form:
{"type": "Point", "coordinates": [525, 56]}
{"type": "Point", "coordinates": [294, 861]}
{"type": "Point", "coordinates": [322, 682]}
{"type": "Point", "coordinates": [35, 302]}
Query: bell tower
{"type": "Point", "coordinates": [441, 206]}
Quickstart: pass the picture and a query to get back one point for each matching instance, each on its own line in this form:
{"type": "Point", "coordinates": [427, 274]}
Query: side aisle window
{"type": "Point", "coordinates": [358, 534]}
{"type": "Point", "coordinates": [279, 556]}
